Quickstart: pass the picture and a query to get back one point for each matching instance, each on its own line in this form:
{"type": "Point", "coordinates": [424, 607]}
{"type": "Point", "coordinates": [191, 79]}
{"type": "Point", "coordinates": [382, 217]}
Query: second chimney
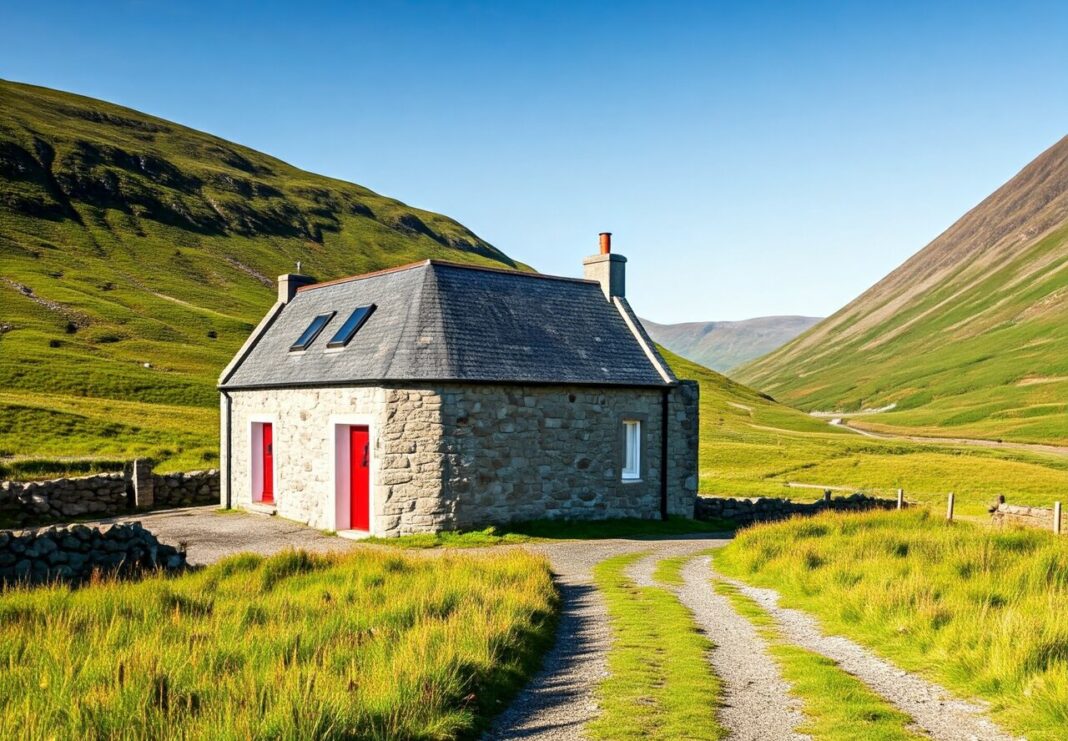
{"type": "Point", "coordinates": [607, 269]}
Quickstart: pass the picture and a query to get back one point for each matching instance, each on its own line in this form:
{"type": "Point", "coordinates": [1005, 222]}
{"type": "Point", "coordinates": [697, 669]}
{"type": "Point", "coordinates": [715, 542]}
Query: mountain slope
{"type": "Point", "coordinates": [969, 337]}
{"type": "Point", "coordinates": [725, 345]}
{"type": "Point", "coordinates": [136, 255]}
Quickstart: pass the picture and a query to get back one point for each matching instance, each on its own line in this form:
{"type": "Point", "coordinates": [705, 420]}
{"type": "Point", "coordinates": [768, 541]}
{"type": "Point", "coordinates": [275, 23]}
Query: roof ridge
{"type": "Point", "coordinates": [432, 262]}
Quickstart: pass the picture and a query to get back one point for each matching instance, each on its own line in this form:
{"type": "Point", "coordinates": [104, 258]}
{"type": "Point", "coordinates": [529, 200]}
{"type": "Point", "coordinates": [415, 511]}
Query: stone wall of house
{"type": "Point", "coordinates": [744, 511]}
{"type": "Point", "coordinates": [101, 495]}
{"type": "Point", "coordinates": [76, 552]}
{"type": "Point", "coordinates": [462, 455]}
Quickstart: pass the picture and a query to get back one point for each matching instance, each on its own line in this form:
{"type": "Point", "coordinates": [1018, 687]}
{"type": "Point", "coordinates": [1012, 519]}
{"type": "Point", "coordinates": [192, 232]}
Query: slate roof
{"type": "Point", "coordinates": [438, 321]}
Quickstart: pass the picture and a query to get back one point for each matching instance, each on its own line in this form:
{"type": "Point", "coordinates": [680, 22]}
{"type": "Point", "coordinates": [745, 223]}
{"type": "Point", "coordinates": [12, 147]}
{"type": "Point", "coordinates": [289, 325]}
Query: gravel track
{"type": "Point", "coordinates": [757, 701]}
{"type": "Point", "coordinates": [561, 698]}
{"type": "Point", "coordinates": [933, 708]}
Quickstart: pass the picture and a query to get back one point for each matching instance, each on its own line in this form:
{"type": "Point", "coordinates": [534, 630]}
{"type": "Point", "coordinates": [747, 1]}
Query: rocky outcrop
{"type": "Point", "coordinates": [745, 511]}
{"type": "Point", "coordinates": [77, 552]}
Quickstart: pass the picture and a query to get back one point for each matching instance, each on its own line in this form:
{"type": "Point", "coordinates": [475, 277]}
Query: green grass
{"type": "Point", "coordinates": [367, 645]}
{"type": "Point", "coordinates": [146, 242]}
{"type": "Point", "coordinates": [753, 446]}
{"type": "Point", "coordinates": [983, 612]}
{"type": "Point", "coordinates": [660, 683]}
{"type": "Point", "coordinates": [546, 530]}
{"type": "Point", "coordinates": [837, 705]}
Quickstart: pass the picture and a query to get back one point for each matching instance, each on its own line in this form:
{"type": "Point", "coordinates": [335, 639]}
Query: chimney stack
{"type": "Point", "coordinates": [288, 284]}
{"type": "Point", "coordinates": [607, 269]}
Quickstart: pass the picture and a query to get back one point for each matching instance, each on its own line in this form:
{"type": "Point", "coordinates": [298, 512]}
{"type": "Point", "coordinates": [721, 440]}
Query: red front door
{"type": "Point", "coordinates": [267, 495]}
{"type": "Point", "coordinates": [359, 454]}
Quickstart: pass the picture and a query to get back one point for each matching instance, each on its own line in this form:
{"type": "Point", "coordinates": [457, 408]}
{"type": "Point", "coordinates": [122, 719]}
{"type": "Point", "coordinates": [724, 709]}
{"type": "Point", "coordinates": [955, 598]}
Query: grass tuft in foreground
{"type": "Point", "coordinates": [837, 705]}
{"type": "Point", "coordinates": [660, 683]}
{"type": "Point", "coordinates": [365, 645]}
{"type": "Point", "coordinates": [982, 611]}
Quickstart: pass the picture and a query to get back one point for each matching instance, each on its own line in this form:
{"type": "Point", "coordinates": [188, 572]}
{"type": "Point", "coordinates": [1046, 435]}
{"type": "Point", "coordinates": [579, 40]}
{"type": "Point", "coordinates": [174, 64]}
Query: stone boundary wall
{"type": "Point", "coordinates": [745, 511]}
{"type": "Point", "coordinates": [76, 552]}
{"type": "Point", "coordinates": [104, 494]}
{"type": "Point", "coordinates": [1015, 514]}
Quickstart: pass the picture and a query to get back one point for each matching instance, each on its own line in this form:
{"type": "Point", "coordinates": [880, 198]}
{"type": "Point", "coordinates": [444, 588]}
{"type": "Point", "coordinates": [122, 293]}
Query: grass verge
{"type": "Point", "coordinates": [540, 530]}
{"type": "Point", "coordinates": [981, 611]}
{"type": "Point", "coordinates": [837, 705]}
{"type": "Point", "coordinates": [660, 683]}
{"type": "Point", "coordinates": [367, 645]}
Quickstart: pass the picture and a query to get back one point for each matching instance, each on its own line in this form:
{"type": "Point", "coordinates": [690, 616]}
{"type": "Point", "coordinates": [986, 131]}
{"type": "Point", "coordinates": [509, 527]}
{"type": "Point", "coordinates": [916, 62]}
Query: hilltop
{"type": "Point", "coordinates": [137, 254]}
{"type": "Point", "coordinates": [968, 338]}
{"type": "Point", "coordinates": [722, 346]}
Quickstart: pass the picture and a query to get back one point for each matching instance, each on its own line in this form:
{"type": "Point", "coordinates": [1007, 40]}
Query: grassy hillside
{"type": "Point", "coordinates": [722, 346]}
{"type": "Point", "coordinates": [753, 446]}
{"type": "Point", "coordinates": [968, 338]}
{"type": "Point", "coordinates": [135, 257]}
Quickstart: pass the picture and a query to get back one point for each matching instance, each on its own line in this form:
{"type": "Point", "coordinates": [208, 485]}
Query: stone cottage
{"type": "Point", "coordinates": [438, 396]}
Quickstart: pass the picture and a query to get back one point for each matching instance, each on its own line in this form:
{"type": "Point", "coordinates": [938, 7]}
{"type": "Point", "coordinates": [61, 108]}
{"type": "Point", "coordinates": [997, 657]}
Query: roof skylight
{"type": "Point", "coordinates": [351, 326]}
{"type": "Point", "coordinates": [313, 330]}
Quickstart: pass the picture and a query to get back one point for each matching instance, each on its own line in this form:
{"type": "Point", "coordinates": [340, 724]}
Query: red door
{"type": "Point", "coordinates": [267, 495]}
{"type": "Point", "coordinates": [359, 453]}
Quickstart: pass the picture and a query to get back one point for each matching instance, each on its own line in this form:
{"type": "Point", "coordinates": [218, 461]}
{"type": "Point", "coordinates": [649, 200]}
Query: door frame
{"type": "Point", "coordinates": [340, 470]}
{"type": "Point", "coordinates": [255, 445]}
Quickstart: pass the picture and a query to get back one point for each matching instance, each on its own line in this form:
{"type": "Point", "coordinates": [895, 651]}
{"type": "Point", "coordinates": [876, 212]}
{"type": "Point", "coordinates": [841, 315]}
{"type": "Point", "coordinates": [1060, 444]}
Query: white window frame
{"type": "Point", "coordinates": [632, 449]}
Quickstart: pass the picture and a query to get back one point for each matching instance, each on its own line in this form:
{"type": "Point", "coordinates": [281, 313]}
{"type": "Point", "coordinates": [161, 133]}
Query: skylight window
{"type": "Point", "coordinates": [313, 330]}
{"type": "Point", "coordinates": [351, 326]}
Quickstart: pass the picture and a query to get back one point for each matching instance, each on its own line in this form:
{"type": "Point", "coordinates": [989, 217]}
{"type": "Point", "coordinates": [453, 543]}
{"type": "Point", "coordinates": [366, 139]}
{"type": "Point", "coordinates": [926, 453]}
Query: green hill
{"type": "Point", "coordinates": [135, 257]}
{"type": "Point", "coordinates": [722, 346]}
{"type": "Point", "coordinates": [968, 338]}
{"type": "Point", "coordinates": [754, 446]}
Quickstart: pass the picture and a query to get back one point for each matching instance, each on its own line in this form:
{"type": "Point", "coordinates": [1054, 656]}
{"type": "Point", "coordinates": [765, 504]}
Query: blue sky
{"type": "Point", "coordinates": [751, 158]}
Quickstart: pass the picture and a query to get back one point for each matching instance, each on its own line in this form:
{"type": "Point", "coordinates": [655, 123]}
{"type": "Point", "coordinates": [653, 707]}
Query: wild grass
{"type": "Point", "coordinates": [983, 612]}
{"type": "Point", "coordinates": [365, 645]}
{"type": "Point", "coordinates": [660, 684]}
{"type": "Point", "coordinates": [837, 706]}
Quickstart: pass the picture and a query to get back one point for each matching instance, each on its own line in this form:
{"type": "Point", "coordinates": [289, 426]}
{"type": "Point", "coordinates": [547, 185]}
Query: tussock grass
{"type": "Point", "coordinates": [660, 683]}
{"type": "Point", "coordinates": [367, 645]}
{"type": "Point", "coordinates": [983, 612]}
{"type": "Point", "coordinates": [837, 705]}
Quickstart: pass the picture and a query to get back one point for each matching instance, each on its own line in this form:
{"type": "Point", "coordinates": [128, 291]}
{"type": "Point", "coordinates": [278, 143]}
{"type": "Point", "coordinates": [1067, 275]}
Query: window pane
{"type": "Point", "coordinates": [632, 449]}
{"type": "Point", "coordinates": [351, 326]}
{"type": "Point", "coordinates": [313, 330]}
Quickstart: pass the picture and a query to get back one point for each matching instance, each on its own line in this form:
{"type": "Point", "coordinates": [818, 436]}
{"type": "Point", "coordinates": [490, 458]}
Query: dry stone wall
{"type": "Point", "coordinates": [101, 495]}
{"type": "Point", "coordinates": [74, 553]}
{"type": "Point", "coordinates": [744, 511]}
{"type": "Point", "coordinates": [1015, 514]}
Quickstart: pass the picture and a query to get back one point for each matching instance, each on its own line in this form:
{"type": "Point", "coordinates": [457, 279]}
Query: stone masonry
{"type": "Point", "coordinates": [463, 455]}
{"type": "Point", "coordinates": [745, 511]}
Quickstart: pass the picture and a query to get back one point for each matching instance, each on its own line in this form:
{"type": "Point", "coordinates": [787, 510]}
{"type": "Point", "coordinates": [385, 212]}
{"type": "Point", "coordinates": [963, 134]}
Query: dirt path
{"type": "Point", "coordinates": [560, 700]}
{"type": "Point", "coordinates": [966, 441]}
{"type": "Point", "coordinates": [757, 702]}
{"type": "Point", "coordinates": [933, 708]}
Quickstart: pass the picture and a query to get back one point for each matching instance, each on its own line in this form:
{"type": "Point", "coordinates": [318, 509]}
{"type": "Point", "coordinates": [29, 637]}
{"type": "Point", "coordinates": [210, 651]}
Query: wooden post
{"type": "Point", "coordinates": [900, 498]}
{"type": "Point", "coordinates": [949, 508]}
{"type": "Point", "coordinates": [1056, 518]}
{"type": "Point", "coordinates": [827, 496]}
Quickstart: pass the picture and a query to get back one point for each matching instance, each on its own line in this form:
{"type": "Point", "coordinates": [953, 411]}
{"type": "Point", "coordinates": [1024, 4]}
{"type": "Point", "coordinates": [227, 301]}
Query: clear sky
{"type": "Point", "coordinates": [751, 158]}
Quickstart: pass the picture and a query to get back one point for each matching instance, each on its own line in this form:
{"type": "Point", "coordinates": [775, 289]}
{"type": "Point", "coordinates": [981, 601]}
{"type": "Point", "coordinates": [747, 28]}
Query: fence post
{"type": "Point", "coordinates": [827, 496]}
{"type": "Point", "coordinates": [900, 498]}
{"type": "Point", "coordinates": [1056, 518]}
{"type": "Point", "coordinates": [949, 508]}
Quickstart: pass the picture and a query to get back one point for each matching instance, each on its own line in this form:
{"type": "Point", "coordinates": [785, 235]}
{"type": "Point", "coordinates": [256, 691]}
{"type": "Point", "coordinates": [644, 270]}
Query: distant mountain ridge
{"type": "Point", "coordinates": [722, 346]}
{"type": "Point", "coordinates": [137, 254]}
{"type": "Point", "coordinates": [969, 337]}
